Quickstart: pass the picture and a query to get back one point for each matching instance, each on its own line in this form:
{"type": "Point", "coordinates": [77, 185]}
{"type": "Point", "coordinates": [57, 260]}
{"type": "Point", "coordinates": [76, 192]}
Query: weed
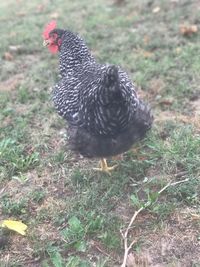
{"type": "Point", "coordinates": [76, 261]}
{"type": "Point", "coordinates": [55, 256]}
{"type": "Point", "coordinates": [13, 158]}
{"type": "Point", "coordinates": [38, 196]}
{"type": "Point", "coordinates": [23, 95]}
{"type": "Point", "coordinates": [13, 208]}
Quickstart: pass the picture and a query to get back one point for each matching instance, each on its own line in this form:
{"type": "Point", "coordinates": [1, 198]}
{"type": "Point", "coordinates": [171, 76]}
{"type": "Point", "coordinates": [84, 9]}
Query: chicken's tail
{"type": "Point", "coordinates": [111, 85]}
{"type": "Point", "coordinates": [144, 117]}
{"type": "Point", "coordinates": [112, 75]}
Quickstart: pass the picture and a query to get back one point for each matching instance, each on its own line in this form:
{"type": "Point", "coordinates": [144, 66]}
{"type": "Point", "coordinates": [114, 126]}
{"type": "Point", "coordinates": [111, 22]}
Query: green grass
{"type": "Point", "coordinates": [74, 214]}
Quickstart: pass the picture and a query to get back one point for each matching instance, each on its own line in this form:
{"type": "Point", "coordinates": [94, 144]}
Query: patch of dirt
{"type": "Point", "coordinates": [11, 83]}
{"type": "Point", "coordinates": [47, 231]}
{"type": "Point", "coordinates": [176, 244]}
{"type": "Point", "coordinates": [196, 107]}
{"type": "Point", "coordinates": [171, 116]}
{"type": "Point", "coordinates": [124, 209]}
{"type": "Point", "coordinates": [135, 260]}
{"type": "Point", "coordinates": [177, 117]}
{"type": "Point", "coordinates": [22, 109]}
{"type": "Point", "coordinates": [156, 85]}
{"type": "Point", "coordinates": [44, 232]}
{"type": "Point", "coordinates": [7, 121]}
{"type": "Point", "coordinates": [35, 181]}
{"type": "Point", "coordinates": [19, 189]}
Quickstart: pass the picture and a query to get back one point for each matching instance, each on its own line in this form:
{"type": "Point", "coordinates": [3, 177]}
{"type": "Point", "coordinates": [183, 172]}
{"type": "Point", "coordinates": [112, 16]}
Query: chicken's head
{"type": "Point", "coordinates": [52, 37]}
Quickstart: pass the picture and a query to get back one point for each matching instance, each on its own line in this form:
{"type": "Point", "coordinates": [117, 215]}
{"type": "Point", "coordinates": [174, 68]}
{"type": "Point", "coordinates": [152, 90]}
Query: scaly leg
{"type": "Point", "coordinates": [104, 167]}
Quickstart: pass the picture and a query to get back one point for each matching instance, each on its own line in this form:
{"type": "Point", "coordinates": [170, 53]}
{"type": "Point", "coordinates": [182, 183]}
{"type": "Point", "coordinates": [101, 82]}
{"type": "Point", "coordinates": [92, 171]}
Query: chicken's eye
{"type": "Point", "coordinates": [53, 36]}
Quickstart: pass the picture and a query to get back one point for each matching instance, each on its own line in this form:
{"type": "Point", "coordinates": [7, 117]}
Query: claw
{"type": "Point", "coordinates": [104, 167]}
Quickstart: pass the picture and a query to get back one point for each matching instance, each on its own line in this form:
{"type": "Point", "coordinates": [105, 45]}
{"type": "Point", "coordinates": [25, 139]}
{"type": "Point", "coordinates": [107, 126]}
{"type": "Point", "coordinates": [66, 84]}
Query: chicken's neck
{"type": "Point", "coordinates": [73, 54]}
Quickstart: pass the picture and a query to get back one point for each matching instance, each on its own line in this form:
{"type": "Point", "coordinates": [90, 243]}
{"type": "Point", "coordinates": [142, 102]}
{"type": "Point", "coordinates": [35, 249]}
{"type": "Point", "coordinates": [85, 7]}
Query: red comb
{"type": "Point", "coordinates": [48, 28]}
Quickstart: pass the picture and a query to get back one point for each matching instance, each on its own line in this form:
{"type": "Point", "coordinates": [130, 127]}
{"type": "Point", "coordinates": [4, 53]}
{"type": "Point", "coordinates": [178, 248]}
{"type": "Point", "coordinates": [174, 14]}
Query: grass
{"type": "Point", "coordinates": [74, 215]}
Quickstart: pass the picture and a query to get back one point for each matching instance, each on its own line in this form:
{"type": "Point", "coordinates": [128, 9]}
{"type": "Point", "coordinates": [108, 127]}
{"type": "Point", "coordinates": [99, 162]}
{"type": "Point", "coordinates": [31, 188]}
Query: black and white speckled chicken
{"type": "Point", "coordinates": [104, 114]}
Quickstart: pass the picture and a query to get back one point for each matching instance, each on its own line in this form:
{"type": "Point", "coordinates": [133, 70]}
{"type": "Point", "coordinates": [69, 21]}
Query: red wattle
{"type": "Point", "coordinates": [53, 48]}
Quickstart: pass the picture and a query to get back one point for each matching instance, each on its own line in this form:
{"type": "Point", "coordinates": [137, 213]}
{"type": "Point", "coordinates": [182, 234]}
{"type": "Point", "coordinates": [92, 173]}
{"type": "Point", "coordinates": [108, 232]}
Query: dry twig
{"type": "Point", "coordinates": [147, 204]}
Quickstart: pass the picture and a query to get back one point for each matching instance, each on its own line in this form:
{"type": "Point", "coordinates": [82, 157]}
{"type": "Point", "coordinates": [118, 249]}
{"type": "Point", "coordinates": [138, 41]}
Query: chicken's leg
{"type": "Point", "coordinates": [104, 167]}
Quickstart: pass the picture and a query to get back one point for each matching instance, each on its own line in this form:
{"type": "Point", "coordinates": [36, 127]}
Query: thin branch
{"type": "Point", "coordinates": [2, 190]}
{"type": "Point", "coordinates": [172, 184]}
{"type": "Point", "coordinates": [147, 204]}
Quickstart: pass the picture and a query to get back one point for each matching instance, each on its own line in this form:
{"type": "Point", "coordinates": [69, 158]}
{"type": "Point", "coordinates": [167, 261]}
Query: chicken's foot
{"type": "Point", "coordinates": [104, 167]}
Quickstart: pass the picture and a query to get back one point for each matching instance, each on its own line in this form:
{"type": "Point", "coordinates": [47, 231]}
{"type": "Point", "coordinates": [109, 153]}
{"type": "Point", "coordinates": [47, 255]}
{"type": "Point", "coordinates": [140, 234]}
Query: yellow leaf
{"type": "Point", "coordinates": [16, 226]}
{"type": "Point", "coordinates": [156, 9]}
{"type": "Point", "coordinates": [188, 29]}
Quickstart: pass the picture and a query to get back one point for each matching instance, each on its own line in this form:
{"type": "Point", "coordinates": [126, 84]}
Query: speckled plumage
{"type": "Point", "coordinates": [99, 102]}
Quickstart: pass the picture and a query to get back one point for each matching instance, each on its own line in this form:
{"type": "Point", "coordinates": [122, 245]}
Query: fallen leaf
{"type": "Point", "coordinates": [8, 56]}
{"type": "Point", "coordinates": [15, 48]}
{"type": "Point", "coordinates": [54, 15]}
{"type": "Point", "coordinates": [16, 226]}
{"type": "Point", "coordinates": [142, 158]}
{"type": "Point", "coordinates": [195, 216]}
{"type": "Point", "coordinates": [188, 29]}
{"type": "Point", "coordinates": [147, 54]}
{"type": "Point", "coordinates": [178, 50]}
{"type": "Point", "coordinates": [21, 14]}
{"type": "Point", "coordinates": [118, 157]}
{"type": "Point", "coordinates": [156, 9]}
{"type": "Point", "coordinates": [166, 101]}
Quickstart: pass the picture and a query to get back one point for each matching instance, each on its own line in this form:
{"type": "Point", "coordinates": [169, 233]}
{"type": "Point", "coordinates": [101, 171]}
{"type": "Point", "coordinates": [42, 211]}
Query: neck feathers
{"type": "Point", "coordinates": [73, 54]}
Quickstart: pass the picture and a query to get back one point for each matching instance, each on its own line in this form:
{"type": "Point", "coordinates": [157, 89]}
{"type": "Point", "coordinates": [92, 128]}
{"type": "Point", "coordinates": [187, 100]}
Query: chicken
{"type": "Point", "coordinates": [105, 117]}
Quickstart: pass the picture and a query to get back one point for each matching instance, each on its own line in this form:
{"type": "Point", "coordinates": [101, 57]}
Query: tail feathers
{"type": "Point", "coordinates": [144, 115]}
{"type": "Point", "coordinates": [111, 92]}
{"type": "Point", "coordinates": [111, 76]}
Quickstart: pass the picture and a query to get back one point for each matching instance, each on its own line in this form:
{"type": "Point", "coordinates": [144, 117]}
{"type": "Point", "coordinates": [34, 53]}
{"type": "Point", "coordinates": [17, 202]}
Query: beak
{"type": "Point", "coordinates": [46, 43]}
